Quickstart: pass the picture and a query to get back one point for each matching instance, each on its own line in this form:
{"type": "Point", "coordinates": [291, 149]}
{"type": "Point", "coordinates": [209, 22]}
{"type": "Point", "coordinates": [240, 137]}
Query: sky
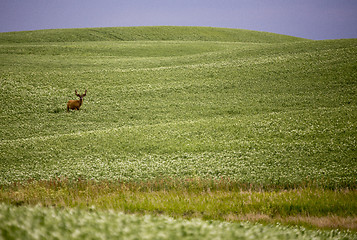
{"type": "Point", "coordinates": [312, 19]}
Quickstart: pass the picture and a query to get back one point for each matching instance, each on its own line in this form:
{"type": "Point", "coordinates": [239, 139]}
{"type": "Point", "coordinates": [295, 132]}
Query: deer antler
{"type": "Point", "coordinates": [85, 93]}
{"type": "Point", "coordinates": [76, 93]}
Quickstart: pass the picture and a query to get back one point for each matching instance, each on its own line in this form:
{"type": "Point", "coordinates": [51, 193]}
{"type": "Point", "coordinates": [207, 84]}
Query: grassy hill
{"type": "Point", "coordinates": [161, 33]}
{"type": "Point", "coordinates": [183, 108]}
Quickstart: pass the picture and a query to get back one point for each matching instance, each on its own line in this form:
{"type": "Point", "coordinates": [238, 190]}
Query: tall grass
{"type": "Point", "coordinates": [207, 199]}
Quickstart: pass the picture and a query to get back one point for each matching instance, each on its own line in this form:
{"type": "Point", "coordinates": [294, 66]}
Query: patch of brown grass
{"type": "Point", "coordinates": [325, 222]}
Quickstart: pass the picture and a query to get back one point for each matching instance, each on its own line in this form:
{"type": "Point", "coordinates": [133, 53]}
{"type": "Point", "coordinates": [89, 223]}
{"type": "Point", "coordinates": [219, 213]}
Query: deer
{"type": "Point", "coordinates": [76, 104]}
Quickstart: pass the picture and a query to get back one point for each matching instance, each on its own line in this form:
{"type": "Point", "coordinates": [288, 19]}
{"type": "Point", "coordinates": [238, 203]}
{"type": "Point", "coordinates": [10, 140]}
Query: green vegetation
{"type": "Point", "coordinates": [19, 223]}
{"type": "Point", "coordinates": [271, 117]}
{"type": "Point", "coordinates": [257, 113]}
{"type": "Point", "coordinates": [189, 198]}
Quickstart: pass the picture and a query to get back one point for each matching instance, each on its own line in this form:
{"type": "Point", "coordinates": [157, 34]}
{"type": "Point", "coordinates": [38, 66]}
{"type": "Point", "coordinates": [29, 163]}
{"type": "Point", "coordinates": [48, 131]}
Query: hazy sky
{"type": "Point", "coordinates": [313, 19]}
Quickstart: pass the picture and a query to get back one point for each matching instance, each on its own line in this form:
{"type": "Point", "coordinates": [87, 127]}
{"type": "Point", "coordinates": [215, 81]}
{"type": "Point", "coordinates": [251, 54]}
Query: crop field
{"type": "Point", "coordinates": [189, 131]}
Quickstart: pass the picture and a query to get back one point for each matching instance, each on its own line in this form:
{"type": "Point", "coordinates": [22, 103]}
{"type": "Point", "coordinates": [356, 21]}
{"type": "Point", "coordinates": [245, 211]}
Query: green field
{"type": "Point", "coordinates": [218, 116]}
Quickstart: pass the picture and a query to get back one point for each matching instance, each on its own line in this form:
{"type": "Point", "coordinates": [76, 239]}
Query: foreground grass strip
{"type": "Point", "coordinates": [194, 198]}
{"type": "Point", "coordinates": [52, 223]}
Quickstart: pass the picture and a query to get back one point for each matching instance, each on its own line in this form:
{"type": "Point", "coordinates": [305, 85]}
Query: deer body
{"type": "Point", "coordinates": [76, 104]}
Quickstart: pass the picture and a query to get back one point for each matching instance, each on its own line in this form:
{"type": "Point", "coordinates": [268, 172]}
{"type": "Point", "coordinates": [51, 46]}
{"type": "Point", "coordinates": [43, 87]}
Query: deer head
{"type": "Point", "coordinates": [81, 96]}
{"type": "Point", "coordinates": [76, 104]}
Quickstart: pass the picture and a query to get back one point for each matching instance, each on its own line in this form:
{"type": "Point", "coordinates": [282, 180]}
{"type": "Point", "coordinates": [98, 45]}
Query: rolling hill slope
{"type": "Point", "coordinates": [265, 113]}
{"type": "Point", "coordinates": [161, 33]}
{"type": "Point", "coordinates": [222, 124]}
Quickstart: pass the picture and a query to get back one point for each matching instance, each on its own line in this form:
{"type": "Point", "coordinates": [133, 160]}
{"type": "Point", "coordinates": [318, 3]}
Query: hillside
{"type": "Point", "coordinates": [225, 107]}
{"type": "Point", "coordinates": [161, 33]}
{"type": "Point", "coordinates": [217, 124]}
